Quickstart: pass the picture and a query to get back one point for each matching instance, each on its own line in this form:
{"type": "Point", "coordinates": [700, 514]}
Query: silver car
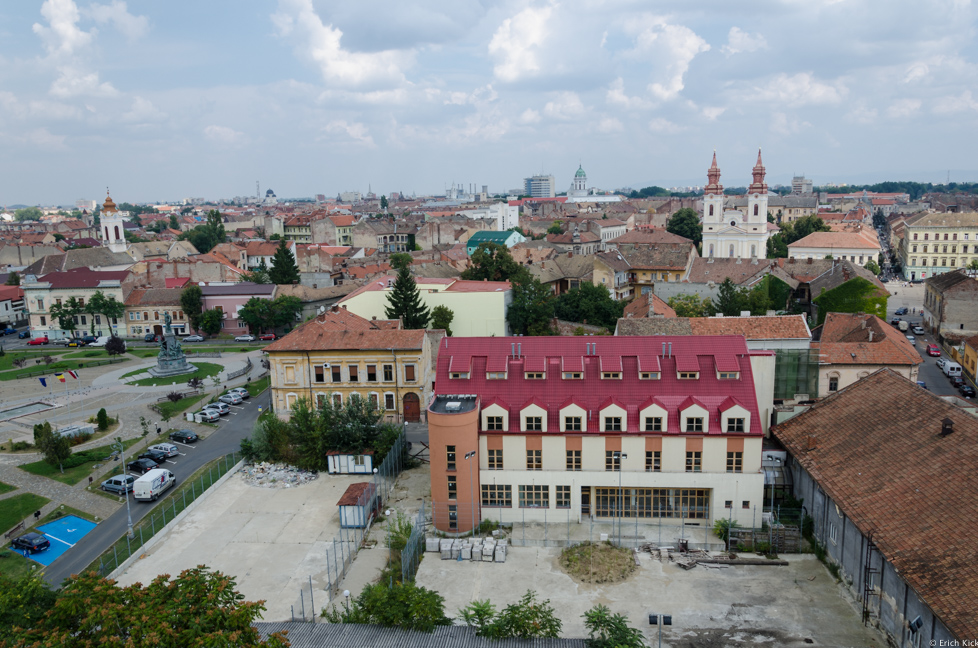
{"type": "Point", "coordinates": [218, 407]}
{"type": "Point", "coordinates": [240, 391]}
{"type": "Point", "coordinates": [209, 416]}
{"type": "Point", "coordinates": [230, 399]}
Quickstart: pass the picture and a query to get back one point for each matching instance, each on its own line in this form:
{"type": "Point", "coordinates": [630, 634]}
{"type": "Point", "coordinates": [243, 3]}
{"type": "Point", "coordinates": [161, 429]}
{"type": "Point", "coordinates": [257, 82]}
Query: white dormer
{"type": "Point", "coordinates": [496, 412]}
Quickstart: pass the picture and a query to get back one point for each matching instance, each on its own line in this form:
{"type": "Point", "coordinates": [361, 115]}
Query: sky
{"type": "Point", "coordinates": [161, 101]}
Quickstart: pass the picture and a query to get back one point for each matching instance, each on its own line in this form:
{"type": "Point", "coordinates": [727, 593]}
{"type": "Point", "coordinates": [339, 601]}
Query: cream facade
{"type": "Point", "coordinates": [937, 243]}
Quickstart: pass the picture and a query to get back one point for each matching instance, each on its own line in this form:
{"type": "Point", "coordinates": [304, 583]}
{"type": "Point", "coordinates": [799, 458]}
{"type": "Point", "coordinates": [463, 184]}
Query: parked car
{"type": "Point", "coordinates": [901, 311]}
{"type": "Point", "coordinates": [38, 341]}
{"type": "Point", "coordinates": [63, 341]}
{"type": "Point", "coordinates": [168, 449]}
{"type": "Point", "coordinates": [895, 321]}
{"type": "Point", "coordinates": [183, 436]}
{"type": "Point", "coordinates": [220, 408]}
{"type": "Point", "coordinates": [912, 340]}
{"type": "Point", "coordinates": [967, 391]}
{"type": "Point", "coordinates": [941, 362]}
{"type": "Point", "coordinates": [244, 338]}
{"type": "Point", "coordinates": [956, 381]}
{"type": "Point", "coordinates": [919, 330]}
{"type": "Point", "coordinates": [118, 484]}
{"type": "Point", "coordinates": [8, 331]}
{"type": "Point", "coordinates": [922, 384]}
{"type": "Point", "coordinates": [76, 343]}
{"type": "Point", "coordinates": [154, 455]}
{"type": "Point", "coordinates": [209, 416]}
{"type": "Point", "coordinates": [141, 466]}
{"type": "Point", "coordinates": [149, 337]}
{"type": "Point", "coordinates": [31, 542]}
{"type": "Point", "coordinates": [266, 336]}
{"type": "Point", "coordinates": [101, 341]}
{"type": "Point", "coordinates": [88, 339]}
{"type": "Point", "coordinates": [230, 399]}
{"type": "Point", "coordinates": [240, 391]}
{"type": "Point", "coordinates": [24, 334]}
{"type": "Point", "coordinates": [933, 350]}
{"type": "Point", "coordinates": [193, 338]}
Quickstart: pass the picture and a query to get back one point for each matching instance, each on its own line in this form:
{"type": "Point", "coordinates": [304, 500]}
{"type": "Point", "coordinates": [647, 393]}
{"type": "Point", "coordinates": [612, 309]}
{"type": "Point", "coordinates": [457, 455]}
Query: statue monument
{"type": "Point", "coordinates": [171, 360]}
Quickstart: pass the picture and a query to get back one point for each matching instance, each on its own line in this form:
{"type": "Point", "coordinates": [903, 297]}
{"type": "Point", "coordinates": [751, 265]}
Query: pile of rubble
{"type": "Point", "coordinates": [271, 475]}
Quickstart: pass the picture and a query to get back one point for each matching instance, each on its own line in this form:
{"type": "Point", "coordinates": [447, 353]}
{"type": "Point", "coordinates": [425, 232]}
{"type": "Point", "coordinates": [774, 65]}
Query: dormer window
{"type": "Point", "coordinates": [728, 375]}
{"type": "Point", "coordinates": [534, 375]}
{"type": "Point", "coordinates": [573, 375]}
{"type": "Point", "coordinates": [610, 375]}
{"type": "Point", "coordinates": [649, 375]}
{"type": "Point", "coordinates": [496, 375]}
{"type": "Point", "coordinates": [459, 375]}
{"type": "Point", "coordinates": [689, 375]}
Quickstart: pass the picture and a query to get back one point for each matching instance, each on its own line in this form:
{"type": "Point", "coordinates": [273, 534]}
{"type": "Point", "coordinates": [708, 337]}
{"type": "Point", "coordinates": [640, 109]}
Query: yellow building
{"type": "Point", "coordinates": [969, 359]}
{"type": "Point", "coordinates": [338, 354]}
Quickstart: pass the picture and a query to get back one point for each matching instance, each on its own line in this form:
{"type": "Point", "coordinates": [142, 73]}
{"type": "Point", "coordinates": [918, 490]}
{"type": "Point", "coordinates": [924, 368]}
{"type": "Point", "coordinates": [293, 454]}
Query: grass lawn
{"type": "Point", "coordinates": [62, 511]}
{"type": "Point", "coordinates": [58, 365]}
{"type": "Point", "coordinates": [257, 387]}
{"type": "Point", "coordinates": [72, 476]}
{"type": "Point", "coordinates": [14, 565]}
{"type": "Point", "coordinates": [6, 488]}
{"type": "Point", "coordinates": [204, 370]}
{"type": "Point", "coordinates": [87, 353]}
{"type": "Point", "coordinates": [7, 360]}
{"type": "Point", "coordinates": [174, 408]}
{"type": "Point", "coordinates": [19, 507]}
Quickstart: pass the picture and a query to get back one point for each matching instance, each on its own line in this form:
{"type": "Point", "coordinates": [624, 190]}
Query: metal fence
{"type": "Point", "coordinates": [411, 554]}
{"type": "Point", "coordinates": [164, 513]}
{"type": "Point", "coordinates": [240, 372]}
{"type": "Point", "coordinates": [203, 354]}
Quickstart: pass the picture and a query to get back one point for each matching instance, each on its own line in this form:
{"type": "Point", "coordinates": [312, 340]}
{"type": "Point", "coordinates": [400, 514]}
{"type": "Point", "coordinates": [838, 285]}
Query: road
{"type": "Point", "coordinates": [221, 441]}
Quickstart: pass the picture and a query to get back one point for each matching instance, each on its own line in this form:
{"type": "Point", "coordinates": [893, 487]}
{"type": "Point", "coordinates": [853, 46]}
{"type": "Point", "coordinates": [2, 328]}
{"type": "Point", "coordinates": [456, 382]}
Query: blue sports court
{"type": "Point", "coordinates": [62, 534]}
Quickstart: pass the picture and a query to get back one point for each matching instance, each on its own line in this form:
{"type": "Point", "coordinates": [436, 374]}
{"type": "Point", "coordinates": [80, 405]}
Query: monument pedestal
{"type": "Point", "coordinates": [171, 361]}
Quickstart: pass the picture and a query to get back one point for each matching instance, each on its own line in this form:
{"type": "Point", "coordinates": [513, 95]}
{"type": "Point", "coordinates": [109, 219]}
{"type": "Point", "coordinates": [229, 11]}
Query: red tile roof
{"type": "Point", "coordinates": [856, 339]}
{"type": "Point", "coordinates": [639, 307]}
{"type": "Point", "coordinates": [570, 354]}
{"type": "Point", "coordinates": [82, 278]}
{"type": "Point", "coordinates": [876, 449]}
{"type": "Point", "coordinates": [339, 329]}
{"type": "Point", "coordinates": [357, 494]}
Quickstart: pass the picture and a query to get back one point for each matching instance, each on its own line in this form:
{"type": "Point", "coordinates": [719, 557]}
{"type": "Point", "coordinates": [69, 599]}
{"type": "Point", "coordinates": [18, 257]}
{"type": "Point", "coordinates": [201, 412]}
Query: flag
{"type": "Point", "coordinates": [43, 382]}
{"type": "Point", "coordinates": [60, 376]}
{"type": "Point", "coordinates": [73, 374]}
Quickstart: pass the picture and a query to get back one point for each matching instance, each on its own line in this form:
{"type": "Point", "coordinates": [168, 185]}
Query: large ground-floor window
{"type": "Point", "coordinates": [692, 503]}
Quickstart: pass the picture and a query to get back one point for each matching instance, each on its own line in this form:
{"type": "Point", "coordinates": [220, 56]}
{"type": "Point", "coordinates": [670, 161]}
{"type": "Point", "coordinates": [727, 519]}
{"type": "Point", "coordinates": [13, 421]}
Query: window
{"type": "Point", "coordinates": [452, 487]}
{"type": "Point", "coordinates": [563, 496]}
{"type": "Point", "coordinates": [610, 375]}
{"type": "Point", "coordinates": [913, 248]}
{"type": "Point", "coordinates": [612, 460]}
{"type": "Point", "coordinates": [689, 375]}
{"type": "Point", "coordinates": [495, 459]}
{"type": "Point", "coordinates": [336, 373]}
{"type": "Point", "coordinates": [453, 516]}
{"type": "Point", "coordinates": [494, 423]}
{"type": "Point", "coordinates": [574, 460]}
{"type": "Point", "coordinates": [534, 423]}
{"type": "Point", "coordinates": [833, 383]}
{"type": "Point", "coordinates": [745, 504]}
{"type": "Point", "coordinates": [337, 400]}
{"type": "Point", "coordinates": [694, 423]}
{"type": "Point", "coordinates": [612, 424]}
{"type": "Point", "coordinates": [497, 495]}
{"type": "Point", "coordinates": [653, 424]}
{"type": "Point", "coordinates": [728, 375]}
{"type": "Point", "coordinates": [945, 237]}
{"type": "Point", "coordinates": [450, 457]}
{"type": "Point", "coordinates": [496, 375]}
{"type": "Point", "coordinates": [44, 321]}
{"type": "Point", "coordinates": [84, 320]}
{"type": "Point", "coordinates": [388, 373]}
{"type": "Point", "coordinates": [735, 462]}
{"type": "Point", "coordinates": [915, 236]}
{"type": "Point", "coordinates": [572, 423]}
{"type": "Point", "coordinates": [572, 375]}
{"type": "Point", "coordinates": [653, 461]}
{"type": "Point", "coordinates": [354, 373]}
{"type": "Point", "coordinates": [926, 236]}
{"type": "Point", "coordinates": [146, 315]}
{"type": "Point", "coordinates": [371, 373]}
{"type": "Point", "coordinates": [372, 400]}
{"type": "Point", "coordinates": [649, 375]}
{"type": "Point", "coordinates": [924, 250]}
{"type": "Point", "coordinates": [290, 374]}
{"type": "Point", "coordinates": [727, 503]}
{"type": "Point", "coordinates": [534, 375]}
{"type": "Point", "coordinates": [534, 459]}
{"type": "Point", "coordinates": [389, 402]}
{"type": "Point", "coordinates": [735, 425]}
{"type": "Point", "coordinates": [409, 373]}
{"type": "Point", "coordinates": [459, 375]}
{"type": "Point", "coordinates": [535, 496]}
{"type": "Point", "coordinates": [320, 373]}
{"type": "Point", "coordinates": [833, 533]}
{"type": "Point", "coordinates": [694, 461]}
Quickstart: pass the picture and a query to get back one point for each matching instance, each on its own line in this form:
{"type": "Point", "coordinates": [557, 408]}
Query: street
{"type": "Point", "coordinates": [221, 441]}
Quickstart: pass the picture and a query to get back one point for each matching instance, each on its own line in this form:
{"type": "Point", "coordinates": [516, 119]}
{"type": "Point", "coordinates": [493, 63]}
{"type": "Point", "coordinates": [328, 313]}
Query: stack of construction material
{"type": "Point", "coordinates": [488, 550]}
{"type": "Point", "coordinates": [431, 544]}
{"type": "Point", "coordinates": [501, 551]}
{"type": "Point", "coordinates": [446, 549]}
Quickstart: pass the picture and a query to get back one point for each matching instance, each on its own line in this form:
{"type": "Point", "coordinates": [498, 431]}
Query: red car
{"type": "Point", "coordinates": [38, 340]}
{"type": "Point", "coordinates": [266, 336]}
{"type": "Point", "coordinates": [933, 350]}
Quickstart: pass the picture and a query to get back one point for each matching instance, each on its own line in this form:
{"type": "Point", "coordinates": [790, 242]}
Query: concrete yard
{"type": "Point", "coordinates": [793, 606]}
{"type": "Point", "coordinates": [270, 539]}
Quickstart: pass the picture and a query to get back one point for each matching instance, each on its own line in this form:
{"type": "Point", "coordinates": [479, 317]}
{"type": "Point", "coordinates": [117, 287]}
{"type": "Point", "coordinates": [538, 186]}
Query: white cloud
{"type": "Point", "coordinates": [670, 49]}
{"type": "Point", "coordinates": [616, 96]}
{"type": "Point", "coordinates": [117, 13]}
{"type": "Point", "coordinates": [354, 130]}
{"type": "Point", "coordinates": [298, 20]}
{"type": "Point", "coordinates": [530, 116]}
{"type": "Point", "coordinates": [143, 111]}
{"type": "Point", "coordinates": [783, 125]}
{"type": "Point", "coordinates": [75, 82]}
{"type": "Point", "coordinates": [566, 105]}
{"type": "Point", "coordinates": [862, 114]}
{"type": "Point", "coordinates": [902, 108]}
{"type": "Point", "coordinates": [63, 37]}
{"type": "Point", "coordinates": [662, 125]}
{"type": "Point", "coordinates": [516, 44]}
{"type": "Point", "coordinates": [739, 41]}
{"type": "Point", "coordinates": [800, 89]}
{"type": "Point", "coordinates": [224, 135]}
{"type": "Point", "coordinates": [44, 139]}
{"type": "Point", "coordinates": [610, 125]}
{"type": "Point", "coordinates": [961, 103]}
{"type": "Point", "coordinates": [915, 72]}
{"type": "Point", "coordinates": [713, 112]}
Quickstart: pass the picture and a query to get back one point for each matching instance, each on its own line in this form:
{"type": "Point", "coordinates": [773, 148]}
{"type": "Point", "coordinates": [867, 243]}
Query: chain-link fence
{"type": "Point", "coordinates": [171, 506]}
{"type": "Point", "coordinates": [411, 554]}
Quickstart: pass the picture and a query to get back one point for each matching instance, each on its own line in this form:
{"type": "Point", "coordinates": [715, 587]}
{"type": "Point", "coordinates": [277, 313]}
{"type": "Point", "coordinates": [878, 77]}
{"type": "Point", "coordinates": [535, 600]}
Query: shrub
{"type": "Point", "coordinates": [405, 605]}
{"type": "Point", "coordinates": [722, 528]}
{"type": "Point", "coordinates": [173, 396]}
{"type": "Point", "coordinates": [103, 420]}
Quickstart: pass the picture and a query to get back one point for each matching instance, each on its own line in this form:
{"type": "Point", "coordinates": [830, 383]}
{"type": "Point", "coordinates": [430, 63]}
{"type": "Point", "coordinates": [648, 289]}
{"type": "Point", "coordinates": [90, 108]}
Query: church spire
{"type": "Point", "coordinates": [713, 176]}
{"type": "Point", "coordinates": [758, 186]}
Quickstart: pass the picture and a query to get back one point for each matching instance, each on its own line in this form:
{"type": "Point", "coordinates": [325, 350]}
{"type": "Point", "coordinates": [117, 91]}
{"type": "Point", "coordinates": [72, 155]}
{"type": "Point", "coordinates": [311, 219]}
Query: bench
{"type": "Point", "coordinates": [19, 527]}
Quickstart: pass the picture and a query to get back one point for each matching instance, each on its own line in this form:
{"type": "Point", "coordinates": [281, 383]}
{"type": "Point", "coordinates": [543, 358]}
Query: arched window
{"type": "Point", "coordinates": [117, 232]}
{"type": "Point", "coordinates": [731, 250]}
{"type": "Point", "coordinates": [755, 210]}
{"type": "Point", "coordinates": [711, 210]}
{"type": "Point", "coordinates": [107, 233]}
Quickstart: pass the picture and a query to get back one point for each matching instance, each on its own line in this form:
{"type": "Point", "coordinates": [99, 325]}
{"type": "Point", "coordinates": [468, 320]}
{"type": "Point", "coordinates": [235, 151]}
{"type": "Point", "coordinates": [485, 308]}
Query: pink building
{"type": "Point", "coordinates": [230, 298]}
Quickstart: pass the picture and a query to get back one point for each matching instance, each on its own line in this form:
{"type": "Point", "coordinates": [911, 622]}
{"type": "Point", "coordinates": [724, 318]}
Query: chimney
{"type": "Point", "coordinates": [670, 349]}
{"type": "Point", "coordinates": [519, 349]}
{"type": "Point", "coordinates": [870, 335]}
{"type": "Point", "coordinates": [663, 349]}
{"type": "Point", "coordinates": [812, 442]}
{"type": "Point", "coordinates": [947, 427]}
{"type": "Point", "coordinates": [512, 349]}
{"type": "Point", "coordinates": [809, 260]}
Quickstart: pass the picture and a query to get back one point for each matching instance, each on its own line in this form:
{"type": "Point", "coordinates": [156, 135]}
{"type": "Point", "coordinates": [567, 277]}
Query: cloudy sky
{"type": "Point", "coordinates": [164, 100]}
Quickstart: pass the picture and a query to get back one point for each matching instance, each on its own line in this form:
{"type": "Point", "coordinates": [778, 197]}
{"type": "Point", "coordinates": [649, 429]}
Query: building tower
{"type": "Point", "coordinates": [712, 204]}
{"type": "Point", "coordinates": [757, 195]}
{"type": "Point", "coordinates": [580, 182]}
{"type": "Point", "coordinates": [113, 225]}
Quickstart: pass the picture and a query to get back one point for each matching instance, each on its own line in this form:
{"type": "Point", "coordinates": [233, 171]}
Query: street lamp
{"type": "Point", "coordinates": [469, 455]}
{"type": "Point", "coordinates": [121, 449]}
{"type": "Point", "coordinates": [621, 496]}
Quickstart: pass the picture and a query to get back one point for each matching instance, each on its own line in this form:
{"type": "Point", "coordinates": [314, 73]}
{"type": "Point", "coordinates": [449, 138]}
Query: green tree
{"type": "Point", "coordinates": [275, 237]}
{"type": "Point", "coordinates": [873, 267]}
{"type": "Point", "coordinates": [174, 223]}
{"type": "Point", "coordinates": [383, 203]}
{"type": "Point", "coordinates": [205, 236]}
{"type": "Point", "coordinates": [103, 420]}
{"type": "Point", "coordinates": [532, 308]}
{"type": "Point", "coordinates": [405, 605]}
{"type": "Point", "coordinates": [492, 262]}
{"type": "Point", "coordinates": [284, 268]}
{"type": "Point", "coordinates": [777, 248]}
{"type": "Point", "coordinates": [67, 314]}
{"type": "Point", "coordinates": [56, 448]}
{"type": "Point", "coordinates": [686, 223]}
{"type": "Point", "coordinates": [107, 307]}
{"type": "Point", "coordinates": [729, 300]}
{"type": "Point", "coordinates": [607, 630]}
{"type": "Point", "coordinates": [441, 318]}
{"type": "Point", "coordinates": [28, 214]}
{"type": "Point", "coordinates": [285, 309]}
{"type": "Point", "coordinates": [13, 279]}
{"type": "Point", "coordinates": [691, 306]}
{"type": "Point", "coordinates": [192, 302]}
{"type": "Point", "coordinates": [400, 260]}
{"type": "Point", "coordinates": [404, 302]}
{"type": "Point", "coordinates": [525, 619]}
{"type": "Point", "coordinates": [973, 265]}
{"type": "Point", "coordinates": [23, 603]}
{"type": "Point", "coordinates": [210, 321]}
{"type": "Point", "coordinates": [257, 314]}
{"type": "Point", "coordinates": [591, 304]}
{"type": "Point", "coordinates": [115, 346]}
{"type": "Point", "coordinates": [198, 608]}
{"type": "Point", "coordinates": [257, 276]}
{"type": "Point", "coordinates": [555, 228]}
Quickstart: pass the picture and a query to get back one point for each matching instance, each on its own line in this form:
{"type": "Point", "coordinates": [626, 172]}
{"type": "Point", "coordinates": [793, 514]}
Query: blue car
{"type": "Point", "coordinates": [24, 334]}
{"type": "Point", "coordinates": [901, 311]}
{"type": "Point", "coordinates": [8, 331]}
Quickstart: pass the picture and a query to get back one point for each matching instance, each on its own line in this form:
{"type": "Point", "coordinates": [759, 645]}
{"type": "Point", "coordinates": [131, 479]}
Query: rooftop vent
{"type": "Point", "coordinates": [453, 406]}
{"type": "Point", "coordinates": [947, 427]}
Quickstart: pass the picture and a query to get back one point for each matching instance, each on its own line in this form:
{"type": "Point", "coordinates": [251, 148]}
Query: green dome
{"type": "Point", "coordinates": [580, 173]}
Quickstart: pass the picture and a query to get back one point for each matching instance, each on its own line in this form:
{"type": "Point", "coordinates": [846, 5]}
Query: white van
{"type": "Point", "coordinates": [151, 485]}
{"type": "Point", "coordinates": [951, 369]}
{"type": "Point", "coordinates": [100, 342]}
